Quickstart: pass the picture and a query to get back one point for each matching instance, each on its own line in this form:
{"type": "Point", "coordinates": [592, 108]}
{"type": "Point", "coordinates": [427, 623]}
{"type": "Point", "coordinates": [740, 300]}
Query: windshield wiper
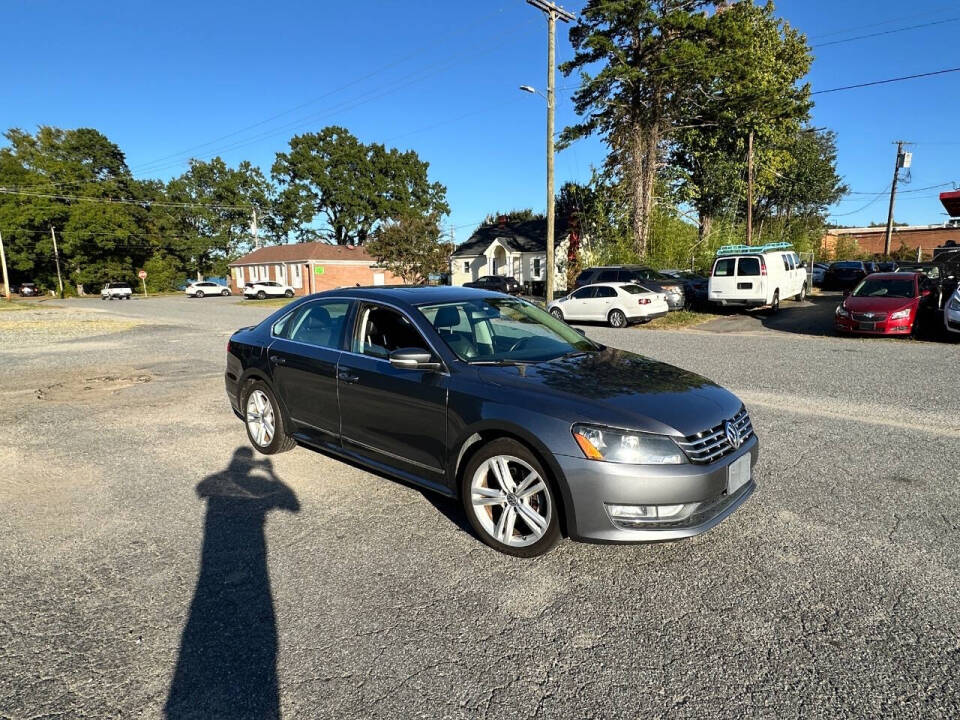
{"type": "Point", "coordinates": [505, 363]}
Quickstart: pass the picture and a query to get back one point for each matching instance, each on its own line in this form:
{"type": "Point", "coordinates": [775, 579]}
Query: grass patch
{"type": "Point", "coordinates": [10, 305]}
{"type": "Point", "coordinates": [677, 320]}
{"type": "Point", "coordinates": [270, 302]}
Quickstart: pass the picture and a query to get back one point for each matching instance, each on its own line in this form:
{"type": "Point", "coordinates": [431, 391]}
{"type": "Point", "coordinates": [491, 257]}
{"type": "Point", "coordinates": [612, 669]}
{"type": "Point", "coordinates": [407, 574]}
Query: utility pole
{"type": "Point", "coordinates": [902, 161]}
{"type": "Point", "coordinates": [750, 188]}
{"type": "Point", "coordinates": [3, 264]}
{"type": "Point", "coordinates": [553, 13]}
{"type": "Point", "coordinates": [255, 230]}
{"type": "Point", "coordinates": [56, 257]}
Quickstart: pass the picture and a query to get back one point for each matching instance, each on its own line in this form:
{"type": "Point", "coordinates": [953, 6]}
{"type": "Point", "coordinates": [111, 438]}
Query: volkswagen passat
{"type": "Point", "coordinates": [476, 395]}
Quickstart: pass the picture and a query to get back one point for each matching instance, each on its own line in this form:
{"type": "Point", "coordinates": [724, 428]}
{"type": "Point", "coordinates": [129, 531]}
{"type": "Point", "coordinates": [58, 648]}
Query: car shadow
{"type": "Point", "coordinates": [228, 651]}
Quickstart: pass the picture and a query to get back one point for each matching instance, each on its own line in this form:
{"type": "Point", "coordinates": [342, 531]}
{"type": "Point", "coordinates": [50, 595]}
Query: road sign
{"type": "Point", "coordinates": [142, 274]}
{"type": "Point", "coordinates": [318, 269]}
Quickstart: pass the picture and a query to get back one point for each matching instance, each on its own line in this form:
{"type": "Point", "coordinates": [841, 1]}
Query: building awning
{"type": "Point", "coordinates": [951, 201]}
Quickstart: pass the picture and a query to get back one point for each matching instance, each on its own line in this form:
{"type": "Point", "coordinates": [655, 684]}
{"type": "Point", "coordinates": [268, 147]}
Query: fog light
{"type": "Point", "coordinates": [644, 512]}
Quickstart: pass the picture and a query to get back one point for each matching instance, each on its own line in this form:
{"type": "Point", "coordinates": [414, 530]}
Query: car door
{"type": "Point", "coordinates": [577, 307]}
{"type": "Point", "coordinates": [303, 357]}
{"type": "Point", "coordinates": [603, 302]}
{"type": "Point", "coordinates": [393, 416]}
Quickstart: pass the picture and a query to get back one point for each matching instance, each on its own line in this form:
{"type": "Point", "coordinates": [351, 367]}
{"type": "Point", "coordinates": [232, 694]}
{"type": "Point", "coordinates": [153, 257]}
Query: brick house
{"type": "Point", "coordinates": [871, 240]}
{"type": "Point", "coordinates": [309, 267]}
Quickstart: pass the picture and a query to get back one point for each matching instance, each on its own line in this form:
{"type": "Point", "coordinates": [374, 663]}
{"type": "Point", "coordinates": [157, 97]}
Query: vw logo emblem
{"type": "Point", "coordinates": [869, 315]}
{"type": "Point", "coordinates": [733, 434]}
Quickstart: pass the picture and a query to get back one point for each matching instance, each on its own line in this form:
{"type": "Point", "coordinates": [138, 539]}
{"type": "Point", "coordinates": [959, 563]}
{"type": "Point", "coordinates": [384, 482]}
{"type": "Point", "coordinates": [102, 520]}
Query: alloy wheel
{"type": "Point", "coordinates": [557, 314]}
{"type": "Point", "coordinates": [617, 319]}
{"type": "Point", "coordinates": [260, 418]}
{"type": "Point", "coordinates": [511, 501]}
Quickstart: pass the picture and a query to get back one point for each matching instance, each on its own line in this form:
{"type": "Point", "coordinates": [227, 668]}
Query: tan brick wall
{"type": "Point", "coordinates": [872, 242]}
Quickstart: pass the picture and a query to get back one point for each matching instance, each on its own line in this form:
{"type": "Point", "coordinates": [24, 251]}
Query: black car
{"type": "Point", "coordinates": [496, 283]}
{"type": "Point", "coordinates": [674, 288]}
{"type": "Point", "coordinates": [845, 275]}
{"type": "Point", "coordinates": [695, 286]}
{"type": "Point", "coordinates": [536, 429]}
{"type": "Point", "coordinates": [29, 289]}
{"type": "Point", "coordinates": [887, 267]}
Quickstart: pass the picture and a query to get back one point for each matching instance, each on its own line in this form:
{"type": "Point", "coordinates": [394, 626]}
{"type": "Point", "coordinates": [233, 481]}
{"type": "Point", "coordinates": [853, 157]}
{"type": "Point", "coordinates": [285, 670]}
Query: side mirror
{"type": "Point", "coordinates": [413, 359]}
{"type": "Point", "coordinates": [926, 293]}
{"type": "Point", "coordinates": [581, 331]}
{"type": "Point", "coordinates": [846, 293]}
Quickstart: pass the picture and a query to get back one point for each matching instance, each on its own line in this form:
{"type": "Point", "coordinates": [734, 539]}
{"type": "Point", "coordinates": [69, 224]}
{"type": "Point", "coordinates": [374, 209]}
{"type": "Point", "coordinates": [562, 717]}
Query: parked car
{"type": "Point", "coordinates": [265, 289]}
{"type": "Point", "coordinates": [29, 289]}
{"type": "Point", "coordinates": [844, 275]}
{"type": "Point", "coordinates": [886, 267]}
{"type": "Point", "coordinates": [204, 288]}
{"type": "Point", "coordinates": [694, 285]}
{"type": "Point", "coordinates": [496, 283]}
{"type": "Point", "coordinates": [116, 291]}
{"type": "Point", "coordinates": [651, 279]}
{"type": "Point", "coordinates": [886, 304]}
{"type": "Point", "coordinates": [618, 304]}
{"type": "Point", "coordinates": [951, 313]}
{"type": "Point", "coordinates": [536, 429]}
{"type": "Point", "coordinates": [756, 275]}
{"type": "Point", "coordinates": [818, 270]}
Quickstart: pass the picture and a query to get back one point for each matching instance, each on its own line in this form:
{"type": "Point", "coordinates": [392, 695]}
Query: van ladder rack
{"type": "Point", "coordinates": [753, 249]}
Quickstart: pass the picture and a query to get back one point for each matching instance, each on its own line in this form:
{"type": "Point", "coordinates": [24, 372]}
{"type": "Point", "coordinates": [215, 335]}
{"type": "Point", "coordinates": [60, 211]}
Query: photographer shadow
{"type": "Point", "coordinates": [228, 651]}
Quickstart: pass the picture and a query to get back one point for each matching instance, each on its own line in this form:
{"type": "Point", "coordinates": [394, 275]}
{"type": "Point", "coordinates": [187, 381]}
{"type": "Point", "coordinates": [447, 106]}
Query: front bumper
{"type": "Point", "coordinates": [903, 326]}
{"type": "Point", "coordinates": [951, 320]}
{"type": "Point", "coordinates": [676, 301]}
{"type": "Point", "coordinates": [593, 485]}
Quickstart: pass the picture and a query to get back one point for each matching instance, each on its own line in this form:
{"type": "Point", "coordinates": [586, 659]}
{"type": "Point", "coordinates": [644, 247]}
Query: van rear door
{"type": "Point", "coordinates": [750, 278]}
{"type": "Point", "coordinates": [723, 281]}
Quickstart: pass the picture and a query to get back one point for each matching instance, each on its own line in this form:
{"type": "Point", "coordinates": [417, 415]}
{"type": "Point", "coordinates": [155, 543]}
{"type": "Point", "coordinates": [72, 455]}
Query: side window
{"type": "Point", "coordinates": [605, 291]}
{"type": "Point", "coordinates": [382, 330]}
{"type": "Point", "coordinates": [793, 264]}
{"type": "Point", "coordinates": [319, 323]}
{"type": "Point", "coordinates": [584, 277]}
{"type": "Point", "coordinates": [724, 267]}
{"type": "Point", "coordinates": [786, 263]}
{"type": "Point", "coordinates": [608, 276]}
{"type": "Point", "coordinates": [748, 266]}
{"type": "Point", "coordinates": [585, 293]}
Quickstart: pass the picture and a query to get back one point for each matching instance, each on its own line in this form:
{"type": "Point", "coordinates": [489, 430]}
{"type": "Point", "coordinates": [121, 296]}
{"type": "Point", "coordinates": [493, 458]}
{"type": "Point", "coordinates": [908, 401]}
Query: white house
{"type": "Point", "coordinates": [512, 249]}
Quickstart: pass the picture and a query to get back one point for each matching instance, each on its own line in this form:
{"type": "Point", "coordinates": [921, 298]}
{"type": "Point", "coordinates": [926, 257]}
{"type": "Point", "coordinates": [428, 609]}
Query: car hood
{"type": "Point", "coordinates": [622, 389]}
{"type": "Point", "coordinates": [877, 304]}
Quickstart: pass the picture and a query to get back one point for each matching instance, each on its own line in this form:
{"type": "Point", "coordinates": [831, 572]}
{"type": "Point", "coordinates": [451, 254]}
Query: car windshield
{"type": "Point", "coordinates": [503, 330]}
{"type": "Point", "coordinates": [885, 287]}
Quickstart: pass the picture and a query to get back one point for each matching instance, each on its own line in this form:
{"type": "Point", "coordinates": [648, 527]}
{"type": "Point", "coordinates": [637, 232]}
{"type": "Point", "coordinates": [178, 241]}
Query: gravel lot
{"type": "Point", "coordinates": [152, 566]}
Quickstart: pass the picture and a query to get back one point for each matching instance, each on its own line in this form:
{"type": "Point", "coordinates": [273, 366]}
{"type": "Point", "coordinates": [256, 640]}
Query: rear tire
{"type": "Point", "coordinates": [557, 313]}
{"type": "Point", "coordinates": [199, 293]}
{"type": "Point", "coordinates": [261, 295]}
{"type": "Point", "coordinates": [263, 420]}
{"type": "Point", "coordinates": [522, 509]}
{"type": "Point", "coordinates": [617, 319]}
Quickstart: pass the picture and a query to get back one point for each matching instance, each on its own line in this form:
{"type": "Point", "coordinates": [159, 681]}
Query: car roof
{"type": "Point", "coordinates": [616, 283]}
{"type": "Point", "coordinates": [902, 275]}
{"type": "Point", "coordinates": [410, 295]}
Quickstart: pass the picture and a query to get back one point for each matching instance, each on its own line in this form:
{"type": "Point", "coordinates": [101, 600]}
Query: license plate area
{"type": "Point", "coordinates": [745, 286]}
{"type": "Point", "coordinates": [738, 474]}
{"type": "Point", "coordinates": [867, 326]}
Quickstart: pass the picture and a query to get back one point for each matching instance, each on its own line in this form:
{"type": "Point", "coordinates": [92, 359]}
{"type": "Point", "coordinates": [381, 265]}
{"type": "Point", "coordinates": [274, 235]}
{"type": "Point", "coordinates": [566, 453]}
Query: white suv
{"type": "Point", "coordinates": [753, 275]}
{"type": "Point", "coordinates": [116, 291]}
{"type": "Point", "coordinates": [202, 289]}
{"type": "Point", "coordinates": [267, 288]}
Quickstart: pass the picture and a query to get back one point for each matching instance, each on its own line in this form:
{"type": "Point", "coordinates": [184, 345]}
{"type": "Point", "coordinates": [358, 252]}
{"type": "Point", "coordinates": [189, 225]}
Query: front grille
{"type": "Point", "coordinates": [873, 317]}
{"type": "Point", "coordinates": [712, 444]}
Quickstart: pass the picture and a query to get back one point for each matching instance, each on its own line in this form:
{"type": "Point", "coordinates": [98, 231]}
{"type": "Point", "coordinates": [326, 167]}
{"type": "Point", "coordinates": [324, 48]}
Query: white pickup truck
{"type": "Point", "coordinates": [116, 291]}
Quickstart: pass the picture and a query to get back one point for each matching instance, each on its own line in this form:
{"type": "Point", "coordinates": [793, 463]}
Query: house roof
{"type": "Point", "coordinates": [303, 252]}
{"type": "Point", "coordinates": [527, 236]}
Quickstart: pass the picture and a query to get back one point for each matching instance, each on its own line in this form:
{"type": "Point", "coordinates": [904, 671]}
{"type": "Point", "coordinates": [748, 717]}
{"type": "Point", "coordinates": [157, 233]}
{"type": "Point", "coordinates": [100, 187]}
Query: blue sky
{"type": "Point", "coordinates": [167, 80]}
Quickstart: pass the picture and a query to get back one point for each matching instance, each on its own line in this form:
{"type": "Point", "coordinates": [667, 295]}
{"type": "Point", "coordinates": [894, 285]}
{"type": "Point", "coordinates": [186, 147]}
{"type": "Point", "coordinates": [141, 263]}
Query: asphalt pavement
{"type": "Point", "coordinates": [152, 566]}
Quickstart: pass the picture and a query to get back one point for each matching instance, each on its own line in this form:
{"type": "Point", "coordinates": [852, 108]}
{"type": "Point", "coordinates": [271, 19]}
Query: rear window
{"type": "Point", "coordinates": [584, 277]}
{"type": "Point", "coordinates": [749, 266]}
{"type": "Point", "coordinates": [724, 267]}
{"type": "Point", "coordinates": [632, 289]}
{"type": "Point", "coordinates": [848, 265]}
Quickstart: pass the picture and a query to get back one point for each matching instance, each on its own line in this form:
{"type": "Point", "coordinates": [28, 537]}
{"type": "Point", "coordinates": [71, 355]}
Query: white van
{"type": "Point", "coordinates": [753, 275]}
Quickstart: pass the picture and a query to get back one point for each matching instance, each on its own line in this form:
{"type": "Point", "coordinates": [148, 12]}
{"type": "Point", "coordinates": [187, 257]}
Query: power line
{"type": "Point", "coordinates": [912, 190]}
{"type": "Point", "coordinates": [885, 32]}
{"type": "Point", "coordinates": [912, 16]}
{"type": "Point", "coordinates": [888, 80]}
{"type": "Point", "coordinates": [120, 201]}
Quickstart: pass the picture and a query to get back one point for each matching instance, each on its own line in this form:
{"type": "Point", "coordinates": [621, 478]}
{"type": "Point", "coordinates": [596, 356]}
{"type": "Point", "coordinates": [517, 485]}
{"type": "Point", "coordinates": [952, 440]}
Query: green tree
{"type": "Point", "coordinates": [351, 186]}
{"type": "Point", "coordinates": [411, 247]}
{"type": "Point", "coordinates": [215, 224]}
{"type": "Point", "coordinates": [515, 215]}
{"type": "Point", "coordinates": [640, 66]}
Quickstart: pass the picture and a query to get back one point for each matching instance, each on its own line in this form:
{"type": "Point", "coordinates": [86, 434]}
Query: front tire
{"type": "Point", "coordinates": [803, 293]}
{"type": "Point", "coordinates": [225, 293]}
{"type": "Point", "coordinates": [199, 293]}
{"type": "Point", "coordinates": [264, 421]}
{"type": "Point", "coordinates": [288, 293]}
{"type": "Point", "coordinates": [617, 319]}
{"type": "Point", "coordinates": [509, 500]}
{"type": "Point", "coordinates": [261, 295]}
{"type": "Point", "coordinates": [557, 313]}
{"type": "Point", "coordinates": [775, 305]}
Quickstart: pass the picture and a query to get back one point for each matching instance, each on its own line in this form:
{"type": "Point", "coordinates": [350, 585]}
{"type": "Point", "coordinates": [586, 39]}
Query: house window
{"type": "Point", "coordinates": [466, 266]}
{"type": "Point", "coordinates": [297, 275]}
{"type": "Point", "coordinates": [536, 267]}
{"type": "Point", "coordinates": [264, 272]}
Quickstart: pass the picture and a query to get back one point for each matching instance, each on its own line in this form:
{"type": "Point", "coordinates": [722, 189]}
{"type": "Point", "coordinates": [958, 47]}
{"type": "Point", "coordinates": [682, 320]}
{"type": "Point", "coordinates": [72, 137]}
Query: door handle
{"type": "Point", "coordinates": [278, 360]}
{"type": "Point", "coordinates": [347, 376]}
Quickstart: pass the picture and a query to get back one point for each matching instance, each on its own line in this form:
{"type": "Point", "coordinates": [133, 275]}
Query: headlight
{"type": "Point", "coordinates": [624, 446]}
{"type": "Point", "coordinates": [900, 314]}
{"type": "Point", "coordinates": [955, 304]}
{"type": "Point", "coordinates": [842, 312]}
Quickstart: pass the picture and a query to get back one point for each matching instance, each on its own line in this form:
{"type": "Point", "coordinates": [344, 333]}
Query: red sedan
{"type": "Point", "coordinates": [884, 304]}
